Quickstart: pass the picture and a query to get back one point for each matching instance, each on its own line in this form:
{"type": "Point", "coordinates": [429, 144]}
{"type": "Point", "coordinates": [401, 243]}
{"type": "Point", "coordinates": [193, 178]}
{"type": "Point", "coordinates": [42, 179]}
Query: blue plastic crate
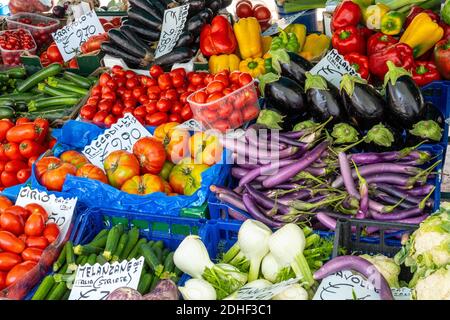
{"type": "Point", "coordinates": [308, 18]}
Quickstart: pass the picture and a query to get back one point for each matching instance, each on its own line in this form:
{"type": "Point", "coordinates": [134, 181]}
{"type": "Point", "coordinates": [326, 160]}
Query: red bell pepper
{"type": "Point", "coordinates": [379, 41]}
{"type": "Point", "coordinates": [446, 28]}
{"type": "Point", "coordinates": [360, 63]}
{"type": "Point", "coordinates": [400, 54]}
{"type": "Point", "coordinates": [346, 14]}
{"type": "Point", "coordinates": [348, 40]}
{"type": "Point", "coordinates": [442, 58]}
{"type": "Point", "coordinates": [425, 72]}
{"type": "Point", "coordinates": [217, 38]}
{"type": "Point", "coordinates": [415, 10]}
{"type": "Point", "coordinates": [366, 33]}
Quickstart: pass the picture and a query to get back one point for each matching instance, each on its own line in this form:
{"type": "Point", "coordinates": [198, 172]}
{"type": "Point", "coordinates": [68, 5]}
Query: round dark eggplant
{"type": "Point", "coordinates": [286, 96]}
{"type": "Point", "coordinates": [214, 5]}
{"type": "Point", "coordinates": [186, 39]}
{"type": "Point", "coordinates": [324, 100]}
{"type": "Point", "coordinates": [195, 24]}
{"type": "Point", "coordinates": [207, 14]}
{"type": "Point", "coordinates": [296, 68]}
{"type": "Point", "coordinates": [364, 105]}
{"type": "Point", "coordinates": [382, 138]}
{"type": "Point", "coordinates": [431, 112]}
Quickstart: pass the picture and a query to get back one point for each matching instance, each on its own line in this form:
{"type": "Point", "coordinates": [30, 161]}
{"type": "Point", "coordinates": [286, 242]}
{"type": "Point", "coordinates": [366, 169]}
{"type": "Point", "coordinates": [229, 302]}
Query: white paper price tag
{"type": "Point", "coordinates": [70, 38]}
{"type": "Point", "coordinates": [332, 67]}
{"type": "Point", "coordinates": [191, 125]}
{"type": "Point", "coordinates": [121, 136]}
{"type": "Point", "coordinates": [172, 27]}
{"type": "Point", "coordinates": [98, 281]}
{"type": "Point", "coordinates": [282, 23]}
{"type": "Point", "coordinates": [60, 210]}
{"type": "Point", "coordinates": [347, 285]}
{"type": "Point", "coordinates": [247, 293]}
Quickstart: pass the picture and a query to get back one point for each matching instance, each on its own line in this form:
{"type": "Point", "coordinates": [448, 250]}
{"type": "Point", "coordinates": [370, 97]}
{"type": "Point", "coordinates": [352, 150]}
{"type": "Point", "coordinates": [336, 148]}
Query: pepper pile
{"type": "Point", "coordinates": [406, 39]}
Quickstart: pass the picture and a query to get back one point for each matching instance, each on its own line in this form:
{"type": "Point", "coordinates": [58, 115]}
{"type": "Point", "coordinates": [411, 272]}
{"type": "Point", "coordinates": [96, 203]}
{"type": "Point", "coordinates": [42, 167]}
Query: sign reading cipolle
{"type": "Point", "coordinates": [70, 38]}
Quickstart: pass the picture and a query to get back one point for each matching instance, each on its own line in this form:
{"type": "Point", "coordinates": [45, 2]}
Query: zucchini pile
{"type": "Point", "coordinates": [109, 245]}
{"type": "Point", "coordinates": [135, 41]}
{"type": "Point", "coordinates": [50, 93]}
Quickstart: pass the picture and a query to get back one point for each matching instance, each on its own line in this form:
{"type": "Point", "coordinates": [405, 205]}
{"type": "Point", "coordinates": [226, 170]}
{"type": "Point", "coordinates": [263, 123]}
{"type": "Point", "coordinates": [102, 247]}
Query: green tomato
{"type": "Point", "coordinates": [186, 177]}
{"type": "Point", "coordinates": [165, 171]}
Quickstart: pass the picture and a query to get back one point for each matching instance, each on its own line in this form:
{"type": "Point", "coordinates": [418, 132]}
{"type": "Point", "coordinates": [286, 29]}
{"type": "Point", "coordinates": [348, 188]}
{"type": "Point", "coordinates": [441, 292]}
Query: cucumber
{"type": "Point", "coordinates": [169, 265]}
{"type": "Point", "coordinates": [30, 82]}
{"type": "Point", "coordinates": [111, 242]}
{"type": "Point", "coordinates": [87, 249]}
{"type": "Point", "coordinates": [7, 112]}
{"type": "Point", "coordinates": [92, 259]}
{"type": "Point", "coordinates": [135, 252]}
{"type": "Point", "coordinates": [61, 259]}
{"type": "Point", "coordinates": [149, 256]}
{"type": "Point", "coordinates": [144, 283]}
{"type": "Point", "coordinates": [101, 259]}
{"type": "Point", "coordinates": [133, 237]}
{"type": "Point", "coordinates": [122, 243]}
{"type": "Point", "coordinates": [70, 257]}
{"type": "Point", "coordinates": [77, 79]}
{"type": "Point", "coordinates": [58, 292]}
{"type": "Point", "coordinates": [44, 288]}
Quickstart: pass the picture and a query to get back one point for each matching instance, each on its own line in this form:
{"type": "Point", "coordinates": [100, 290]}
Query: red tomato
{"type": "Point", "coordinates": [104, 78]}
{"type": "Point", "coordinates": [32, 254]}
{"type": "Point", "coordinates": [22, 131]}
{"type": "Point", "coordinates": [130, 103]}
{"type": "Point", "coordinates": [106, 90]}
{"type": "Point", "coordinates": [131, 83]}
{"type": "Point", "coordinates": [209, 115]}
{"type": "Point", "coordinates": [99, 117]}
{"type": "Point", "coordinates": [234, 77]}
{"type": "Point", "coordinates": [215, 87]}
{"type": "Point", "coordinates": [12, 223]}
{"type": "Point", "coordinates": [22, 120]}
{"type": "Point", "coordinates": [221, 125]}
{"type": "Point", "coordinates": [177, 80]}
{"type": "Point", "coordinates": [225, 110]}
{"type": "Point", "coordinates": [128, 110]}
{"type": "Point", "coordinates": [9, 242]}
{"type": "Point", "coordinates": [8, 179]}
{"type": "Point", "coordinates": [51, 231]}
{"type": "Point", "coordinates": [130, 74]}
{"type": "Point", "coordinates": [110, 120]}
{"type": "Point", "coordinates": [196, 79]}
{"type": "Point", "coordinates": [127, 94]}
{"type": "Point", "coordinates": [121, 166]}
{"type": "Point", "coordinates": [118, 70]}
{"type": "Point", "coordinates": [171, 94]}
{"type": "Point", "coordinates": [244, 10]}
{"type": "Point", "coordinates": [200, 97]}
{"type": "Point", "coordinates": [140, 111]}
{"type": "Point", "coordinates": [157, 118]}
{"type": "Point", "coordinates": [52, 172]}
{"type": "Point", "coordinates": [23, 175]}
{"type": "Point", "coordinates": [151, 154]}
{"type": "Point", "coordinates": [29, 148]}
{"type": "Point", "coordinates": [227, 91]}
{"type": "Point", "coordinates": [236, 119]}
{"type": "Point", "coordinates": [8, 260]}
{"type": "Point", "coordinates": [179, 71]}
{"type": "Point", "coordinates": [18, 210]}
{"type": "Point", "coordinates": [15, 165]}
{"type": "Point", "coordinates": [4, 204]}
{"type": "Point", "coordinates": [156, 71]}
{"type": "Point", "coordinates": [109, 96]}
{"type": "Point", "coordinates": [186, 112]}
{"type": "Point", "coordinates": [19, 271]}
{"type": "Point", "coordinates": [112, 84]}
{"type": "Point", "coordinates": [137, 92]}
{"type": "Point", "coordinates": [37, 242]}
{"type": "Point", "coordinates": [143, 99]}
{"type": "Point", "coordinates": [96, 91]}
{"type": "Point", "coordinates": [35, 208]}
{"type": "Point", "coordinates": [150, 107]}
{"type": "Point", "coordinates": [191, 88]}
{"type": "Point", "coordinates": [105, 105]}
{"type": "Point", "coordinates": [31, 161]}
{"type": "Point", "coordinates": [53, 54]}
{"type": "Point", "coordinates": [163, 105]}
{"type": "Point", "coordinates": [5, 125]}
{"type": "Point", "coordinates": [153, 92]}
{"type": "Point", "coordinates": [91, 172]}
{"type": "Point", "coordinates": [175, 117]}
{"type": "Point", "coordinates": [165, 81]}
{"type": "Point", "coordinates": [183, 97]}
{"type": "Point", "coordinates": [244, 78]}
{"type": "Point", "coordinates": [120, 82]}
{"type": "Point", "coordinates": [222, 78]}
{"type": "Point", "coordinates": [35, 224]}
{"type": "Point", "coordinates": [117, 109]}
{"type": "Point", "coordinates": [93, 100]}
{"type": "Point", "coordinates": [176, 107]}
{"type": "Point", "coordinates": [261, 13]}
{"type": "Point", "coordinates": [215, 96]}
{"type": "Point", "coordinates": [250, 112]}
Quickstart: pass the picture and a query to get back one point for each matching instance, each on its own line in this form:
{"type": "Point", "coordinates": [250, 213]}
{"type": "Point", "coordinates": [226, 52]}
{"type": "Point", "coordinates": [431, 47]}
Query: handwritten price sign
{"type": "Point", "coordinates": [173, 25]}
{"type": "Point", "coordinates": [121, 136]}
{"type": "Point", "coordinates": [70, 38]}
{"type": "Point", "coordinates": [60, 210]}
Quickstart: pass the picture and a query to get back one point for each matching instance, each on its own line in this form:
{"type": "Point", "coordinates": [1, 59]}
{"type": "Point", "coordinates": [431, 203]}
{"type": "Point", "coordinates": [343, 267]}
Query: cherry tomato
{"type": "Point", "coordinates": [179, 71]}
{"type": "Point", "coordinates": [104, 78]}
{"type": "Point", "coordinates": [8, 179]}
{"type": "Point", "coordinates": [165, 81]}
{"type": "Point", "coordinates": [215, 87]}
{"type": "Point", "coordinates": [140, 111]}
{"type": "Point", "coordinates": [51, 232]}
{"type": "Point", "coordinates": [110, 120]}
{"type": "Point", "coordinates": [221, 125]}
{"type": "Point", "coordinates": [156, 71]}
{"type": "Point", "coordinates": [176, 107]}
{"type": "Point", "coordinates": [137, 92]}
{"type": "Point", "coordinates": [88, 111]}
{"type": "Point", "coordinates": [222, 78]}
{"type": "Point", "coordinates": [196, 79]}
{"type": "Point", "coordinates": [99, 117]}
{"type": "Point", "coordinates": [183, 97]}
{"type": "Point", "coordinates": [177, 80]}
{"type": "Point", "coordinates": [236, 119]}
{"type": "Point", "coordinates": [157, 118]}
{"type": "Point", "coordinates": [208, 78]}
{"type": "Point", "coordinates": [225, 111]}
{"type": "Point", "coordinates": [234, 77]}
{"type": "Point", "coordinates": [130, 103]}
{"type": "Point", "coordinates": [244, 78]}
{"type": "Point", "coordinates": [131, 83]}
{"type": "Point", "coordinates": [209, 115]}
{"type": "Point", "coordinates": [105, 105]}
{"type": "Point", "coordinates": [163, 105]}
{"type": "Point", "coordinates": [130, 74]}
{"type": "Point", "coordinates": [153, 92]}
{"type": "Point", "coordinates": [23, 175]}
{"type": "Point", "coordinates": [4, 204]}
{"type": "Point", "coordinates": [15, 165]}
{"type": "Point", "coordinates": [171, 94]}
{"type": "Point", "coordinates": [200, 97]}
{"type": "Point", "coordinates": [175, 117]}
{"type": "Point", "coordinates": [118, 71]}
{"type": "Point", "coordinates": [215, 96]}
{"type": "Point", "coordinates": [186, 112]}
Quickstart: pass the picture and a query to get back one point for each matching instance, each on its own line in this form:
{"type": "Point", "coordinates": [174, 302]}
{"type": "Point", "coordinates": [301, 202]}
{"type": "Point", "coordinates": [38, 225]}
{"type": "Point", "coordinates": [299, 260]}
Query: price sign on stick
{"type": "Point", "coordinates": [267, 293]}
{"type": "Point", "coordinates": [70, 38]}
{"type": "Point", "coordinates": [121, 136]}
{"type": "Point", "coordinates": [60, 210]}
{"type": "Point", "coordinates": [172, 28]}
{"type": "Point", "coordinates": [98, 281]}
{"type": "Point", "coordinates": [282, 23]}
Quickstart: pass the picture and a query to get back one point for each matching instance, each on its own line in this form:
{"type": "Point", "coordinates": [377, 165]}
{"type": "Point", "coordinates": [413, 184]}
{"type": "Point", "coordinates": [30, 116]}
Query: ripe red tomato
{"type": "Point", "coordinates": [244, 10]}
{"type": "Point", "coordinates": [92, 172]}
{"type": "Point", "coordinates": [99, 117]}
{"type": "Point", "coordinates": [52, 172]}
{"type": "Point", "coordinates": [150, 107]}
{"type": "Point", "coordinates": [104, 78]}
{"type": "Point", "coordinates": [109, 96]}
{"type": "Point", "coordinates": [8, 260]}
{"type": "Point", "coordinates": [4, 204]}
{"type": "Point", "coordinates": [156, 71]}
{"type": "Point", "coordinates": [222, 78]}
{"type": "Point", "coordinates": [127, 94]}
{"type": "Point", "coordinates": [137, 92]}
{"type": "Point", "coordinates": [18, 210]}
{"type": "Point", "coordinates": [51, 231]}
{"type": "Point", "coordinates": [37, 242]}
{"type": "Point", "coordinates": [118, 71]}
{"type": "Point", "coordinates": [105, 105]}
{"type": "Point", "coordinates": [143, 99]}
{"type": "Point", "coordinates": [19, 271]}
{"type": "Point", "coordinates": [214, 87]}
{"type": "Point", "coordinates": [12, 223]}
{"type": "Point", "coordinates": [130, 74]}
{"type": "Point", "coordinates": [31, 161]}
{"type": "Point", "coordinates": [88, 111]}
{"type": "Point", "coordinates": [8, 179]}
{"type": "Point", "coordinates": [53, 54]}
{"type": "Point", "coordinates": [177, 80]}
{"type": "Point", "coordinates": [175, 117]}
{"type": "Point", "coordinates": [157, 118]}
{"type": "Point", "coordinates": [244, 78]}
{"type": "Point", "coordinates": [15, 165]}
{"type": "Point", "coordinates": [225, 110]}
{"type": "Point", "coordinates": [215, 96]}
{"type": "Point", "coordinates": [261, 13]}
{"type": "Point", "coordinates": [132, 83]}
{"type": "Point", "coordinates": [234, 77]}
{"type": "Point", "coordinates": [186, 112]}
{"type": "Point", "coordinates": [200, 97]}
{"type": "Point", "coordinates": [23, 175]}
{"type": "Point", "coordinates": [35, 224]}
{"type": "Point", "coordinates": [130, 103]}
{"type": "Point", "coordinates": [35, 208]}
{"type": "Point", "coordinates": [171, 94]}
{"type": "Point", "coordinates": [9, 242]}
{"type": "Point", "coordinates": [109, 120]}
{"type": "Point", "coordinates": [151, 154]}
{"type": "Point", "coordinates": [112, 84]}
{"type": "Point", "coordinates": [179, 71]}
{"type": "Point", "coordinates": [117, 109]}
{"type": "Point", "coordinates": [5, 125]}
{"type": "Point", "coordinates": [176, 107]}
{"type": "Point", "coordinates": [32, 254]}
{"type": "Point", "coordinates": [93, 100]}
{"type": "Point", "coordinates": [183, 97]}
{"type": "Point", "coordinates": [196, 79]}
{"type": "Point", "coordinates": [209, 115]}
{"type": "Point", "coordinates": [163, 105]}
{"type": "Point", "coordinates": [96, 91]}
{"type": "Point", "coordinates": [250, 112]}
{"type": "Point", "coordinates": [153, 92]}
{"type": "Point", "coordinates": [165, 81]}
{"type": "Point", "coordinates": [140, 111]}
{"type": "Point", "coordinates": [221, 125]}
{"type": "Point", "coordinates": [121, 166]}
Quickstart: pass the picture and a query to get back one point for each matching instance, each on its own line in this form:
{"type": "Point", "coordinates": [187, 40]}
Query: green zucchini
{"type": "Point", "coordinates": [122, 243]}
{"type": "Point", "coordinates": [158, 253]}
{"type": "Point", "coordinates": [58, 292]}
{"type": "Point", "coordinates": [77, 79]}
{"type": "Point", "coordinates": [111, 242]}
{"type": "Point", "coordinates": [39, 104]}
{"type": "Point", "coordinates": [70, 257]}
{"type": "Point", "coordinates": [135, 252]}
{"type": "Point", "coordinates": [169, 266]}
{"type": "Point", "coordinates": [64, 268]}
{"type": "Point", "coordinates": [151, 243]}
{"type": "Point", "coordinates": [30, 82]}
{"type": "Point", "coordinates": [51, 113]}
{"type": "Point", "coordinates": [15, 73]}
{"type": "Point", "coordinates": [121, 228]}
{"type": "Point", "coordinates": [101, 234]}
{"type": "Point", "coordinates": [61, 259]}
{"type": "Point", "coordinates": [56, 83]}
{"type": "Point", "coordinates": [150, 258]}
{"type": "Point", "coordinates": [92, 259]}
{"type": "Point", "coordinates": [66, 295]}
{"type": "Point", "coordinates": [7, 112]}
{"type": "Point", "coordinates": [165, 252]}
{"type": "Point", "coordinates": [144, 283]}
{"type": "Point", "coordinates": [78, 259]}
{"type": "Point", "coordinates": [86, 249]}
{"type": "Point", "coordinates": [101, 259]}
{"type": "Point", "coordinates": [99, 242]}
{"type": "Point", "coordinates": [84, 260]}
{"type": "Point", "coordinates": [133, 237]}
{"type": "Point", "coordinates": [44, 288]}
{"type": "Point", "coordinates": [155, 281]}
{"type": "Point", "coordinates": [159, 244]}
{"type": "Point", "coordinates": [44, 88]}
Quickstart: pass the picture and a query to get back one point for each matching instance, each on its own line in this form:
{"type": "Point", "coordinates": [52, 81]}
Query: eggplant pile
{"type": "Point", "coordinates": [140, 31]}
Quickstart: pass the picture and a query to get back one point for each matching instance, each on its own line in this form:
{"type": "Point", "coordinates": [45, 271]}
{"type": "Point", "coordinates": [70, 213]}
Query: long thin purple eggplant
{"type": "Point", "coordinates": [293, 134]}
{"type": "Point", "coordinates": [256, 213]}
{"type": "Point", "coordinates": [346, 176]}
{"type": "Point", "coordinates": [317, 172]}
{"type": "Point", "coordinates": [297, 195]}
{"type": "Point", "coordinates": [388, 199]}
{"type": "Point", "coordinates": [265, 202]}
{"type": "Point", "coordinates": [292, 142]}
{"type": "Point", "coordinates": [232, 200]}
{"type": "Point", "coordinates": [290, 171]}
{"type": "Point", "coordinates": [238, 173]}
{"type": "Point", "coordinates": [420, 191]}
{"type": "Point", "coordinates": [391, 178]}
{"type": "Point", "coordinates": [269, 169]}
{"type": "Point", "coordinates": [363, 210]}
{"type": "Point", "coordinates": [415, 220]}
{"type": "Point", "coordinates": [372, 157]}
{"type": "Point", "coordinates": [248, 166]}
{"type": "Point", "coordinates": [360, 265]}
{"type": "Point", "coordinates": [398, 215]}
{"type": "Point", "coordinates": [236, 215]}
{"type": "Point", "coordinates": [393, 191]}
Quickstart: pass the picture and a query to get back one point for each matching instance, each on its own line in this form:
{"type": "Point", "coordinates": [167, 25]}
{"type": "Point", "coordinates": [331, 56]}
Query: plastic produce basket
{"type": "Point", "coordinates": [41, 34]}
{"type": "Point", "coordinates": [12, 57]}
{"type": "Point", "coordinates": [170, 230]}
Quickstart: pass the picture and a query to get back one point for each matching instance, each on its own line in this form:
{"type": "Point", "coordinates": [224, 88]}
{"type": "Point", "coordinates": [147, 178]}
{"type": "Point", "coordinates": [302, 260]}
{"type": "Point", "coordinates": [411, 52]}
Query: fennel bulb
{"type": "Point", "coordinates": [253, 240]}
{"type": "Point", "coordinates": [270, 267]}
{"type": "Point", "coordinates": [287, 245]}
{"type": "Point", "coordinates": [257, 284]}
{"type": "Point", "coordinates": [225, 278]}
{"type": "Point", "coordinates": [198, 289]}
{"type": "Point", "coordinates": [293, 292]}
{"type": "Point", "coordinates": [191, 257]}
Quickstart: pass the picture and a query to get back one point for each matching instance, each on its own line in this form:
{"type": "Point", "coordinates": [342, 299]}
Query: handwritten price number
{"type": "Point", "coordinates": [82, 36]}
{"type": "Point", "coordinates": [124, 142]}
{"type": "Point", "coordinates": [166, 36]}
{"type": "Point", "coordinates": [57, 219]}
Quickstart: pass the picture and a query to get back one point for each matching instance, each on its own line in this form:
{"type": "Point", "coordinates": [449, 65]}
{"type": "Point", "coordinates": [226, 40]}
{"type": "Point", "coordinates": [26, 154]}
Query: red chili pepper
{"type": "Point", "coordinates": [348, 40]}
{"type": "Point", "coordinates": [346, 14]}
{"type": "Point", "coordinates": [360, 63]}
{"type": "Point", "coordinates": [442, 58]}
{"type": "Point", "coordinates": [400, 54]}
{"type": "Point", "coordinates": [425, 72]}
{"type": "Point", "coordinates": [217, 38]}
{"type": "Point", "coordinates": [415, 10]}
{"type": "Point", "coordinates": [379, 41]}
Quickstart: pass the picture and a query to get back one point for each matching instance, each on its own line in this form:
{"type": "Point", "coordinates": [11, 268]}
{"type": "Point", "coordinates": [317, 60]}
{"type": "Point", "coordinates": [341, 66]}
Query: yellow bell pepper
{"type": "Point", "coordinates": [255, 67]}
{"type": "Point", "coordinates": [248, 36]}
{"type": "Point", "coordinates": [300, 31]}
{"type": "Point", "coordinates": [422, 34]}
{"type": "Point", "coordinates": [315, 46]}
{"type": "Point", "coordinates": [228, 62]}
{"type": "Point", "coordinates": [266, 43]}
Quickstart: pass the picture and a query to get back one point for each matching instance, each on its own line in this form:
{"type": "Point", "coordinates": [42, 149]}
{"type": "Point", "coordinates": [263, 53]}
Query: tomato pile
{"type": "Point", "coordinates": [24, 234]}
{"type": "Point", "coordinates": [15, 40]}
{"type": "Point", "coordinates": [228, 101]}
{"type": "Point", "coordinates": [41, 31]}
{"type": "Point", "coordinates": [152, 100]}
{"type": "Point", "coordinates": [22, 143]}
